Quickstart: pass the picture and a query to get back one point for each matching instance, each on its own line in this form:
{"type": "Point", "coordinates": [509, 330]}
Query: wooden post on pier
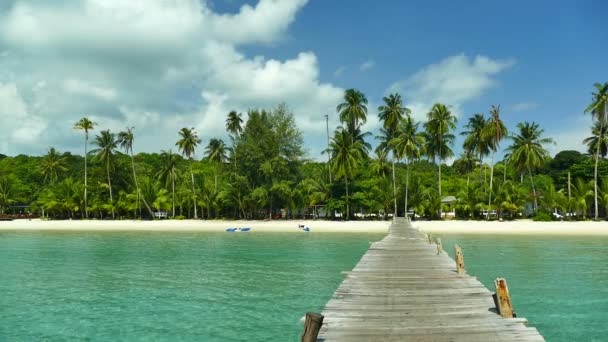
{"type": "Point", "coordinates": [312, 325]}
{"type": "Point", "coordinates": [459, 259]}
{"type": "Point", "coordinates": [503, 299]}
{"type": "Point", "coordinates": [429, 238]}
{"type": "Point", "coordinates": [439, 246]}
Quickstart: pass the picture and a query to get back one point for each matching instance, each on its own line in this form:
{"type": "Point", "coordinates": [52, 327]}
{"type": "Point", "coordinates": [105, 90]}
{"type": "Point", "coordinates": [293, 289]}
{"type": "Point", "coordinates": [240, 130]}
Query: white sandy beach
{"type": "Point", "coordinates": [437, 227]}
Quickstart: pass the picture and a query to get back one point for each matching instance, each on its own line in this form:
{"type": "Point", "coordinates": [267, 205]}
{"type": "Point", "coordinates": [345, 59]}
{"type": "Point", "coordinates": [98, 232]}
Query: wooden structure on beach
{"type": "Point", "coordinates": [407, 289]}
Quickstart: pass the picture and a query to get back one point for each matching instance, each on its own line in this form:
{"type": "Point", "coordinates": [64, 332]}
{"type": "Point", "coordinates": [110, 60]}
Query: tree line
{"type": "Point", "coordinates": [263, 172]}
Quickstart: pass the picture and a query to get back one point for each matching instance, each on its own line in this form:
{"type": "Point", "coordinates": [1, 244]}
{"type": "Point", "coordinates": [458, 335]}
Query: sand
{"type": "Point", "coordinates": [436, 227]}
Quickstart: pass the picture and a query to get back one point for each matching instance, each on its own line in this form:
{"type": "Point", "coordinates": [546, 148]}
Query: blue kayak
{"type": "Point", "coordinates": [234, 230]}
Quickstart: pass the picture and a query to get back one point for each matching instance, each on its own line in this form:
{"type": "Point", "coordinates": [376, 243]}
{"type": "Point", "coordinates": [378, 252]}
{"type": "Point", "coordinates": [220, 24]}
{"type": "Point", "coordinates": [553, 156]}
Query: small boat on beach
{"type": "Point", "coordinates": [235, 230]}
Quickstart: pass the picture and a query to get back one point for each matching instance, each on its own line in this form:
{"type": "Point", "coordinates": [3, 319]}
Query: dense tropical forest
{"type": "Point", "coordinates": [263, 171]}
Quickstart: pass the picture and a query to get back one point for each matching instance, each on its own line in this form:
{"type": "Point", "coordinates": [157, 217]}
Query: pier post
{"type": "Point", "coordinates": [312, 325]}
{"type": "Point", "coordinates": [429, 238]}
{"type": "Point", "coordinates": [503, 299]}
{"type": "Point", "coordinates": [459, 259]}
{"type": "Point", "coordinates": [439, 246]}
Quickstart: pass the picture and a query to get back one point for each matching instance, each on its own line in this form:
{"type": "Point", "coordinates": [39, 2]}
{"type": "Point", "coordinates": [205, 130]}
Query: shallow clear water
{"type": "Point", "coordinates": [168, 286]}
{"type": "Point", "coordinates": [560, 284]}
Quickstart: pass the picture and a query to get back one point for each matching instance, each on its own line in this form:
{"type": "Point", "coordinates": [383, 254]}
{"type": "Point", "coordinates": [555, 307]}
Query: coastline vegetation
{"type": "Point", "coordinates": [264, 172]}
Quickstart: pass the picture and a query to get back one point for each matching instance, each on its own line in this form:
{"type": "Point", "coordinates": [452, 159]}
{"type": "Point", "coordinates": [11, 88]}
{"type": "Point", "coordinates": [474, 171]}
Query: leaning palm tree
{"type": "Point", "coordinates": [168, 172]}
{"type": "Point", "coordinates": [52, 165]}
{"type": "Point", "coordinates": [598, 109]}
{"type": "Point", "coordinates": [187, 145]}
{"type": "Point", "coordinates": [599, 136]}
{"type": "Point", "coordinates": [391, 113]}
{"type": "Point", "coordinates": [409, 145]}
{"type": "Point", "coordinates": [125, 140]}
{"type": "Point", "coordinates": [438, 130]}
{"type": "Point", "coordinates": [527, 151]}
{"type": "Point", "coordinates": [234, 127]}
{"type": "Point", "coordinates": [494, 131]}
{"type": "Point", "coordinates": [216, 153]}
{"type": "Point", "coordinates": [106, 143]}
{"type": "Point", "coordinates": [353, 111]}
{"type": "Point", "coordinates": [85, 125]}
{"type": "Point", "coordinates": [475, 140]}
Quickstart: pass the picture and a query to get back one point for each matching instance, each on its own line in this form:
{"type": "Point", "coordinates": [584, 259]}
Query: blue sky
{"type": "Point", "coordinates": [161, 65]}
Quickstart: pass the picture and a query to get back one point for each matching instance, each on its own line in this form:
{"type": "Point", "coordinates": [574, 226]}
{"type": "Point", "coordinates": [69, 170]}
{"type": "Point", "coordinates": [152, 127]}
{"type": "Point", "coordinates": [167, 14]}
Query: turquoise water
{"type": "Point", "coordinates": [560, 284]}
{"type": "Point", "coordinates": [168, 286]}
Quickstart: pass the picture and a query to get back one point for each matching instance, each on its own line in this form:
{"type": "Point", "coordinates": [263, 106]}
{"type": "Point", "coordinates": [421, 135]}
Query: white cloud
{"type": "Point", "coordinates": [341, 69]}
{"type": "Point", "coordinates": [524, 106]}
{"type": "Point", "coordinates": [156, 65]}
{"type": "Point", "coordinates": [367, 65]}
{"type": "Point", "coordinates": [453, 81]}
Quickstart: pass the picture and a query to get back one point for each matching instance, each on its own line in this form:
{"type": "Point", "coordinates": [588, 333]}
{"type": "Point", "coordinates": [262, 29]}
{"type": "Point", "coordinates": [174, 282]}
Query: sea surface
{"type": "Point", "coordinates": [132, 286]}
{"type": "Point", "coordinates": [153, 286]}
{"type": "Point", "coordinates": [560, 284]}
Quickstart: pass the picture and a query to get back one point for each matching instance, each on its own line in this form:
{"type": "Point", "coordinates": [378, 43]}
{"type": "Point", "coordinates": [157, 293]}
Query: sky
{"type": "Point", "coordinates": [160, 65]}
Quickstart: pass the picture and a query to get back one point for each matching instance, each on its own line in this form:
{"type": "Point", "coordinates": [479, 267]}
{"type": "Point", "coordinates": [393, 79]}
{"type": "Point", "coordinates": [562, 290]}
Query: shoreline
{"type": "Point", "coordinates": [520, 227]}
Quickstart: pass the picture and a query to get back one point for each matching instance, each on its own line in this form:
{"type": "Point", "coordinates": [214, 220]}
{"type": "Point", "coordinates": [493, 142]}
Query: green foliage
{"type": "Point", "coordinates": [542, 217]}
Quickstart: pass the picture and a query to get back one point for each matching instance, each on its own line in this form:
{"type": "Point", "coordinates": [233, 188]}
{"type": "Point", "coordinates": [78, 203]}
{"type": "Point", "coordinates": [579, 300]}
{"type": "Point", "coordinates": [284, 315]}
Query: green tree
{"type": "Point", "coordinates": [187, 145]}
{"type": "Point", "coordinates": [353, 111]}
{"type": "Point", "coordinates": [125, 140]}
{"type": "Point", "coordinates": [494, 131]}
{"type": "Point", "coordinates": [168, 173]}
{"type": "Point", "coordinates": [440, 123]}
{"type": "Point", "coordinates": [409, 145]}
{"type": "Point", "coordinates": [391, 113]}
{"type": "Point", "coordinates": [345, 155]}
{"type": "Point", "coordinates": [234, 127]}
{"type": "Point", "coordinates": [475, 139]}
{"type": "Point", "coordinates": [598, 109]}
{"type": "Point", "coordinates": [215, 152]}
{"type": "Point", "coordinates": [85, 125]}
{"type": "Point", "coordinates": [106, 143]}
{"type": "Point", "coordinates": [527, 151]}
{"type": "Point", "coordinates": [53, 164]}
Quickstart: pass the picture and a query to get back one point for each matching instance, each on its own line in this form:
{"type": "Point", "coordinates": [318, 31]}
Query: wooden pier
{"type": "Point", "coordinates": [406, 289]}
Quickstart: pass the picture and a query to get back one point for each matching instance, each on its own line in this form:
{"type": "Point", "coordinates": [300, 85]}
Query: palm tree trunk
{"type": "Point", "coordinates": [110, 187]}
{"type": "Point", "coordinates": [407, 184]}
{"type": "Point", "coordinates": [533, 190]}
{"type": "Point", "coordinates": [491, 182]}
{"type": "Point", "coordinates": [347, 199]}
{"type": "Point", "coordinates": [173, 190]}
{"type": "Point", "coordinates": [193, 191]}
{"type": "Point", "coordinates": [597, 159]}
{"type": "Point", "coordinates": [440, 209]}
{"type": "Point", "coordinates": [394, 188]}
{"type": "Point", "coordinates": [86, 210]}
{"type": "Point", "coordinates": [138, 190]}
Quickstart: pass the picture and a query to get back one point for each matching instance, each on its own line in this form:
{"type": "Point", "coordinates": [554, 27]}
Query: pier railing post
{"type": "Point", "coordinates": [439, 246]}
{"type": "Point", "coordinates": [503, 299]}
{"type": "Point", "coordinates": [429, 238]}
{"type": "Point", "coordinates": [459, 259]}
{"type": "Point", "coordinates": [312, 325]}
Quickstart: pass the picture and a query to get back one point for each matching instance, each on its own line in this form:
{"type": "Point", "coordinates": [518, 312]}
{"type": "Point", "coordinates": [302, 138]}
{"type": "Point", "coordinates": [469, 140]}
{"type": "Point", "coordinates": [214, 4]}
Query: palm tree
{"type": "Point", "coordinates": [408, 144]}
{"type": "Point", "coordinates": [187, 145]}
{"type": "Point", "coordinates": [106, 144]}
{"type": "Point", "coordinates": [494, 132]}
{"type": "Point", "coordinates": [599, 136]}
{"type": "Point", "coordinates": [53, 164]}
{"type": "Point", "coordinates": [216, 153]}
{"type": "Point", "coordinates": [346, 154]}
{"type": "Point", "coordinates": [438, 127]}
{"type": "Point", "coordinates": [85, 125]}
{"type": "Point", "coordinates": [235, 128]}
{"type": "Point", "coordinates": [125, 140]}
{"type": "Point", "coordinates": [168, 171]}
{"type": "Point", "coordinates": [475, 140]}
{"type": "Point", "coordinates": [353, 111]}
{"type": "Point", "coordinates": [527, 151]}
{"type": "Point", "coordinates": [391, 113]}
{"type": "Point", "coordinates": [598, 109]}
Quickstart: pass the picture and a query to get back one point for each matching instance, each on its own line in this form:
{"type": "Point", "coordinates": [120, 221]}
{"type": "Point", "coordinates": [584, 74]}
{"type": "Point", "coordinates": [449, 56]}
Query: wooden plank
{"type": "Point", "coordinates": [406, 289]}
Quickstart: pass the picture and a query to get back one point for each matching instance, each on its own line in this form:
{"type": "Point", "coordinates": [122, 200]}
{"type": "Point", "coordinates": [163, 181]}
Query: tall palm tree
{"type": "Point", "coordinates": [346, 154]}
{"type": "Point", "coordinates": [599, 136]}
{"type": "Point", "coordinates": [598, 109]}
{"type": "Point", "coordinates": [475, 140]}
{"type": "Point", "coordinates": [408, 144]}
{"type": "Point", "coordinates": [125, 140]}
{"type": "Point", "coordinates": [168, 171]}
{"type": "Point", "coordinates": [440, 123]}
{"type": "Point", "coordinates": [391, 113]}
{"type": "Point", "coordinates": [85, 125]}
{"type": "Point", "coordinates": [187, 145]}
{"type": "Point", "coordinates": [106, 143]}
{"type": "Point", "coordinates": [53, 164]}
{"type": "Point", "coordinates": [527, 151]}
{"type": "Point", "coordinates": [494, 132]}
{"type": "Point", "coordinates": [353, 111]}
{"type": "Point", "coordinates": [216, 153]}
{"type": "Point", "coordinates": [234, 127]}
